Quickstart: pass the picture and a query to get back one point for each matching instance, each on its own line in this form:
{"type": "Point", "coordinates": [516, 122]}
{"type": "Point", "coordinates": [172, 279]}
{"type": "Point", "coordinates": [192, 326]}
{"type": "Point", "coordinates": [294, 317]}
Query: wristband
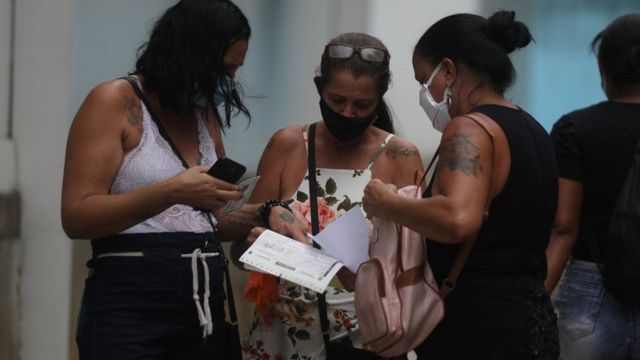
{"type": "Point", "coordinates": [265, 209]}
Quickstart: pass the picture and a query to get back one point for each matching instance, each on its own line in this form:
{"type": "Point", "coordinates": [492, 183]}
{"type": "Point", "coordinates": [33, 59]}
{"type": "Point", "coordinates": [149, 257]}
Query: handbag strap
{"type": "Point", "coordinates": [233, 316]}
{"type": "Point", "coordinates": [156, 120]}
{"type": "Point", "coordinates": [315, 224]}
{"type": "Point", "coordinates": [313, 185]}
{"type": "Point", "coordinates": [424, 176]}
{"type": "Point", "coordinates": [449, 283]}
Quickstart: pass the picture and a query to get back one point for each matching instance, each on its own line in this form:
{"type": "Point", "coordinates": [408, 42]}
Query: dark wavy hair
{"type": "Point", "coordinates": [183, 59]}
{"type": "Point", "coordinates": [618, 51]}
{"type": "Point", "coordinates": [481, 44]}
{"type": "Point", "coordinates": [358, 67]}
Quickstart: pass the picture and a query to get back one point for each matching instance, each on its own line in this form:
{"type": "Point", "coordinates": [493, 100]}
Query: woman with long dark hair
{"type": "Point", "coordinates": [135, 183]}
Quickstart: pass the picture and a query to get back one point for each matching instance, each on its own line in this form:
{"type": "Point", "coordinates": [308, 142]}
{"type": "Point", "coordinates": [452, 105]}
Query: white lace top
{"type": "Point", "coordinates": [153, 161]}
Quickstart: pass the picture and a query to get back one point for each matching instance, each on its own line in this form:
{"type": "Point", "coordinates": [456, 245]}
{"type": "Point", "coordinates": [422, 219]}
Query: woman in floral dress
{"type": "Point", "coordinates": [353, 144]}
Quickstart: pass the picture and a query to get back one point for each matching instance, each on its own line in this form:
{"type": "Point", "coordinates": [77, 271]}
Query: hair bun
{"type": "Point", "coordinates": [506, 32]}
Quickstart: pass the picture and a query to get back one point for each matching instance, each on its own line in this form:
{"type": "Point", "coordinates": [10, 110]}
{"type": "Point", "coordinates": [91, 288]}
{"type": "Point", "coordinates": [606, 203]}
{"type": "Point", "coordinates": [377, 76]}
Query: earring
{"type": "Point", "coordinates": [448, 94]}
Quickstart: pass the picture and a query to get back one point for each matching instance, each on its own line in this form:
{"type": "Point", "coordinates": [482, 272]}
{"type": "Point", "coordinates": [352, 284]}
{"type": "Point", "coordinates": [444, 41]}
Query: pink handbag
{"type": "Point", "coordinates": [396, 298]}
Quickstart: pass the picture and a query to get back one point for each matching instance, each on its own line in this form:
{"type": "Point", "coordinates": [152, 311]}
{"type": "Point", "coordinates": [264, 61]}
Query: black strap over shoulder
{"type": "Point", "coordinates": [315, 224]}
{"type": "Point", "coordinates": [313, 187]}
{"type": "Point", "coordinates": [156, 120]}
{"type": "Point", "coordinates": [233, 316]}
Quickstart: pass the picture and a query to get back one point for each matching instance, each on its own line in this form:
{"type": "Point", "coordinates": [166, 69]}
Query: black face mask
{"type": "Point", "coordinates": [345, 128]}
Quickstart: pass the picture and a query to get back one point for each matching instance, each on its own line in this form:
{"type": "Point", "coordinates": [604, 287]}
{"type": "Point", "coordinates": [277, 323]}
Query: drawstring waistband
{"type": "Point", "coordinates": [204, 311]}
{"type": "Point", "coordinates": [205, 317]}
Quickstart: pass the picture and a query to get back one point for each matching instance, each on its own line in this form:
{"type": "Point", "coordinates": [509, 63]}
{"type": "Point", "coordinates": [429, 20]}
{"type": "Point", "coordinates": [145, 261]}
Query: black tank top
{"type": "Point", "coordinates": [513, 239]}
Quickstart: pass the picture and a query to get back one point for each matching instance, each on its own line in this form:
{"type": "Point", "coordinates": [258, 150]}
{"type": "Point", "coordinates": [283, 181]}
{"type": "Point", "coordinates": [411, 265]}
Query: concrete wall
{"type": "Point", "coordinates": [5, 58]}
{"type": "Point", "coordinates": [41, 110]}
{"type": "Point", "coordinates": [104, 38]}
{"type": "Point", "coordinates": [399, 25]}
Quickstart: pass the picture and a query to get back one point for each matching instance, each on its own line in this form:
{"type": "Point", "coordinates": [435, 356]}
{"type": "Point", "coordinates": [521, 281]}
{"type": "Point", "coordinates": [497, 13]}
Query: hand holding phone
{"type": "Point", "coordinates": [227, 170]}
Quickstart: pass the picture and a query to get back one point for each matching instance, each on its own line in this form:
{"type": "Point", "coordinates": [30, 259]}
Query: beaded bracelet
{"type": "Point", "coordinates": [265, 209]}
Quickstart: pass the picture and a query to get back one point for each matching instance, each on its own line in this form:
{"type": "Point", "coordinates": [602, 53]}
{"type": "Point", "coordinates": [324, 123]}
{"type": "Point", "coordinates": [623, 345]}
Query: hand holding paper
{"type": "Point", "coordinates": [347, 239]}
{"type": "Point", "coordinates": [291, 260]}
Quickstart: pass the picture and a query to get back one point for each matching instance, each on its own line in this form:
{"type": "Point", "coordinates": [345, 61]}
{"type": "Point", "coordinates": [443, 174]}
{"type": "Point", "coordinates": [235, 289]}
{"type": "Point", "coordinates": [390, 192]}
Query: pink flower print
{"type": "Point", "coordinates": [326, 215]}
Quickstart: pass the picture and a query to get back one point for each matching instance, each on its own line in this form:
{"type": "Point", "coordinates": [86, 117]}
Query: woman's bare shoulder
{"type": "Point", "coordinates": [112, 92]}
{"type": "Point", "coordinates": [401, 148]}
{"type": "Point", "coordinates": [286, 139]}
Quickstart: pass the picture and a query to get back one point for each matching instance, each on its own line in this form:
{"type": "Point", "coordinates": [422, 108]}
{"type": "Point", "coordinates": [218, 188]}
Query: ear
{"type": "Point", "coordinates": [449, 70]}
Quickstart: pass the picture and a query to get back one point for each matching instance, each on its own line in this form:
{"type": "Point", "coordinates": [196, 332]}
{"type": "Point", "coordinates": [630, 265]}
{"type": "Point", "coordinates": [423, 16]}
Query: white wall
{"type": "Point", "coordinates": [5, 47]}
{"type": "Point", "coordinates": [104, 38]}
{"type": "Point", "coordinates": [399, 24]}
{"type": "Point", "coordinates": [41, 109]}
{"type": "Point", "coordinates": [7, 153]}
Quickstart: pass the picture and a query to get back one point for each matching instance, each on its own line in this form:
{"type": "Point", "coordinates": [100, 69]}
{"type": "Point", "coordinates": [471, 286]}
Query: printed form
{"type": "Point", "coordinates": [291, 260]}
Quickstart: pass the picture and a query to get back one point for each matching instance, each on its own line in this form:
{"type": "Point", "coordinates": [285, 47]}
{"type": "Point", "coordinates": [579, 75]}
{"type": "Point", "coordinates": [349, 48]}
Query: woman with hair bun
{"type": "Point", "coordinates": [595, 147]}
{"type": "Point", "coordinates": [494, 190]}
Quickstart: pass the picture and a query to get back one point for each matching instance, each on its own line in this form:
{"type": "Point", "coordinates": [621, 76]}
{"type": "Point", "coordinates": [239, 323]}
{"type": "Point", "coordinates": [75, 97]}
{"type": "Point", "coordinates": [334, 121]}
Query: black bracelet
{"type": "Point", "coordinates": [265, 209]}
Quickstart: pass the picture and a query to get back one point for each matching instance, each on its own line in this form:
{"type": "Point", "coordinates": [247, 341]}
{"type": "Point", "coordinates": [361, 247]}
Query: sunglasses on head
{"type": "Point", "coordinates": [366, 53]}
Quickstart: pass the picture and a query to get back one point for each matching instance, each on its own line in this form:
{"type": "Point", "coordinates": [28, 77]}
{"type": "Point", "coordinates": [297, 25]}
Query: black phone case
{"type": "Point", "coordinates": [227, 170]}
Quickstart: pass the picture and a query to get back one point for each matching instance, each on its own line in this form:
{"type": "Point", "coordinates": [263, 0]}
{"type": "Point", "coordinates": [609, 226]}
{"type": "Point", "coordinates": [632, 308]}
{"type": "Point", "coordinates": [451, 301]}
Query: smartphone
{"type": "Point", "coordinates": [227, 170]}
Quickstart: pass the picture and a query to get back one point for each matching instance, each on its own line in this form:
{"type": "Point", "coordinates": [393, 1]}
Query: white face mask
{"type": "Point", "coordinates": [438, 113]}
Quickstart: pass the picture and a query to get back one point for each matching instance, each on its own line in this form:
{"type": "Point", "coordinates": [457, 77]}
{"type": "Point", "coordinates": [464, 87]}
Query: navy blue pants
{"type": "Point", "coordinates": [143, 307]}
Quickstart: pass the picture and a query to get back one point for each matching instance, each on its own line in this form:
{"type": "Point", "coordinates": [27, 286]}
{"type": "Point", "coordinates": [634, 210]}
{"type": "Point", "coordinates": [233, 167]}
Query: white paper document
{"type": "Point", "coordinates": [347, 239]}
{"type": "Point", "coordinates": [291, 260]}
{"type": "Point", "coordinates": [245, 186]}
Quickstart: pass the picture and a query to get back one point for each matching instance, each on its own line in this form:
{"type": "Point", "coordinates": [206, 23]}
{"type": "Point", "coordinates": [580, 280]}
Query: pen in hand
{"type": "Point", "coordinates": [314, 243]}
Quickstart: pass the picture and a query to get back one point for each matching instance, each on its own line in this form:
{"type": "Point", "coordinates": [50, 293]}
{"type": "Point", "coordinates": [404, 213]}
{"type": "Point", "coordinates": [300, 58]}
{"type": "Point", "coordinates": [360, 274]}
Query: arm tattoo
{"type": "Point", "coordinates": [458, 153]}
{"type": "Point", "coordinates": [134, 109]}
{"type": "Point", "coordinates": [242, 218]}
{"type": "Point", "coordinates": [394, 151]}
{"type": "Point", "coordinates": [287, 217]}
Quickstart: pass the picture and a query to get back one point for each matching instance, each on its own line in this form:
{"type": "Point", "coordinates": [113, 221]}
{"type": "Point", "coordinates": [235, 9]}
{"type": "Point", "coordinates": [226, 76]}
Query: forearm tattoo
{"type": "Point", "coordinates": [133, 110]}
{"type": "Point", "coordinates": [457, 152]}
{"type": "Point", "coordinates": [395, 151]}
{"type": "Point", "coordinates": [243, 218]}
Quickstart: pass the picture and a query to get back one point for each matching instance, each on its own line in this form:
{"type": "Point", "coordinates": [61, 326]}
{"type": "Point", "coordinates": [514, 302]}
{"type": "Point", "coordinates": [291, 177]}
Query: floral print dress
{"type": "Point", "coordinates": [294, 333]}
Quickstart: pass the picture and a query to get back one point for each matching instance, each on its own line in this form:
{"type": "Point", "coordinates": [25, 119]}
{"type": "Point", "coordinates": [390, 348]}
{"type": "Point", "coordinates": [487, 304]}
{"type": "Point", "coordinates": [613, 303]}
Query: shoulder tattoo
{"type": "Point", "coordinates": [457, 152]}
{"type": "Point", "coordinates": [134, 110]}
{"type": "Point", "coordinates": [395, 151]}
